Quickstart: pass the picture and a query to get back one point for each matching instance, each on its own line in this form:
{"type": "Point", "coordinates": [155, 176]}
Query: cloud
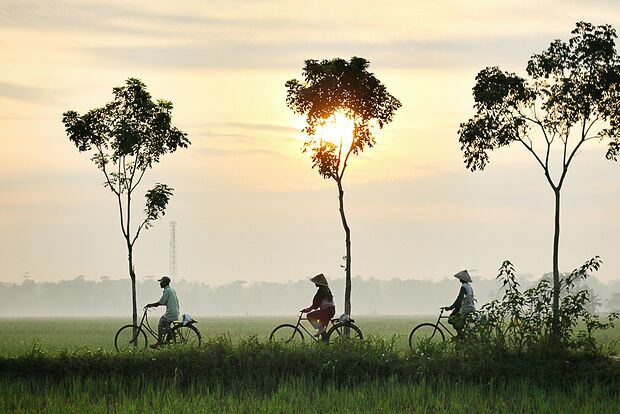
{"type": "Point", "coordinates": [222, 37]}
{"type": "Point", "coordinates": [22, 92]}
{"type": "Point", "coordinates": [247, 138]}
{"type": "Point", "coordinates": [258, 126]}
{"type": "Point", "coordinates": [252, 35]}
{"type": "Point", "coordinates": [128, 18]}
{"type": "Point", "coordinates": [216, 129]}
{"type": "Point", "coordinates": [252, 134]}
{"type": "Point", "coordinates": [227, 152]}
{"type": "Point", "coordinates": [86, 16]}
{"type": "Point", "coordinates": [444, 54]}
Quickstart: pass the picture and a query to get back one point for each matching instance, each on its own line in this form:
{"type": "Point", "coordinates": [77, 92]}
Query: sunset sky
{"type": "Point", "coordinates": [247, 203]}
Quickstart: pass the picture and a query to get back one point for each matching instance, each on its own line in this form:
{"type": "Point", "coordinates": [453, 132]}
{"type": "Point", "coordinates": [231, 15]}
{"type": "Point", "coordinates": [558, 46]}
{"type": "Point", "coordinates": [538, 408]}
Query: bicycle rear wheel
{"type": "Point", "coordinates": [186, 335]}
{"type": "Point", "coordinates": [337, 333]}
{"type": "Point", "coordinates": [425, 333]}
{"type": "Point", "coordinates": [130, 338]}
{"type": "Point", "coordinates": [287, 334]}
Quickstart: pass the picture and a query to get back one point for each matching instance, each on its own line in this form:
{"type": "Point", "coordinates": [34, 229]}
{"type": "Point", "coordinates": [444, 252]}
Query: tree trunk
{"type": "Point", "coordinates": [347, 232]}
{"type": "Point", "coordinates": [132, 276]}
{"type": "Point", "coordinates": [555, 323]}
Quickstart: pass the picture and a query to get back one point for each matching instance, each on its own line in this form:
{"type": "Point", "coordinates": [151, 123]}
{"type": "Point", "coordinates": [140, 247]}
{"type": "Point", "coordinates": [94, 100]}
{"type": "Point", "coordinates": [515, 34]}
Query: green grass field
{"type": "Point", "coordinates": [238, 376]}
{"type": "Point", "coordinates": [54, 334]}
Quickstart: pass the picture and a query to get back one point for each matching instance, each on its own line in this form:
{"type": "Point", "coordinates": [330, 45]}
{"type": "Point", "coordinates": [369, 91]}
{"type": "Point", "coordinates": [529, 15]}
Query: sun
{"type": "Point", "coordinates": [337, 129]}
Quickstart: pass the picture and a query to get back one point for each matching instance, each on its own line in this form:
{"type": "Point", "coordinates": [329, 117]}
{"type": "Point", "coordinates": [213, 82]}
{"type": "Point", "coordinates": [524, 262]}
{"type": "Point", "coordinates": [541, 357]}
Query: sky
{"type": "Point", "coordinates": [247, 203]}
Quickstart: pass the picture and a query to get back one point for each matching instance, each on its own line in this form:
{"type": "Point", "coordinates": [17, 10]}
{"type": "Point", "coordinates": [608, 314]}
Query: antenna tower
{"type": "Point", "coordinates": [173, 249]}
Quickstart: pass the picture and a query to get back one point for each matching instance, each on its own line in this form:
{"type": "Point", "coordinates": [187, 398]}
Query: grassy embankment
{"type": "Point", "coordinates": [240, 375]}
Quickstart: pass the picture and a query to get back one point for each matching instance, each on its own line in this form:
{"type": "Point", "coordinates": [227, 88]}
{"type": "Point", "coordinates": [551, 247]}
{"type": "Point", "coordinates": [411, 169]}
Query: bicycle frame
{"type": "Point", "coordinates": [439, 323]}
{"type": "Point", "coordinates": [338, 330]}
{"type": "Point", "coordinates": [147, 327]}
{"type": "Point", "coordinates": [302, 326]}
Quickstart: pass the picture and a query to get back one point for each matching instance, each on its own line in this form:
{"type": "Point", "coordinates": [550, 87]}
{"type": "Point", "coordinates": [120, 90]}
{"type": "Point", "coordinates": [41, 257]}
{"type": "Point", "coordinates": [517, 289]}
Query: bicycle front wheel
{"type": "Point", "coordinates": [287, 334]}
{"type": "Point", "coordinates": [186, 335]}
{"type": "Point", "coordinates": [130, 338]}
{"type": "Point", "coordinates": [425, 333]}
{"type": "Point", "coordinates": [338, 333]}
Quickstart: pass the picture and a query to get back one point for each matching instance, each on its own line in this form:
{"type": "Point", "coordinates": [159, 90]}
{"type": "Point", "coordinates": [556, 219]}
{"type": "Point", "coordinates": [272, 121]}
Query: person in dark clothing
{"type": "Point", "coordinates": [322, 308]}
{"type": "Point", "coordinates": [463, 305]}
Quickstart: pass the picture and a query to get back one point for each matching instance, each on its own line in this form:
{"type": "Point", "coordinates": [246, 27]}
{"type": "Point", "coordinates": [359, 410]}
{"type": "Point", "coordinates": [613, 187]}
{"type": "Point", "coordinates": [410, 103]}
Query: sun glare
{"type": "Point", "coordinates": [337, 129]}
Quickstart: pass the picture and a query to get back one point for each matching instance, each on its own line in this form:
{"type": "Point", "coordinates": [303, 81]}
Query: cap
{"type": "Point", "coordinates": [463, 276]}
{"type": "Point", "coordinates": [319, 279]}
{"type": "Point", "coordinates": [164, 279]}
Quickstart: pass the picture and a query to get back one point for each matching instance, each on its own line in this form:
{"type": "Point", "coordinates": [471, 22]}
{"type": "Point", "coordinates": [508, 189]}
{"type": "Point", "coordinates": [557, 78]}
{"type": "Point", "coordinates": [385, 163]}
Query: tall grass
{"type": "Point", "coordinates": [304, 395]}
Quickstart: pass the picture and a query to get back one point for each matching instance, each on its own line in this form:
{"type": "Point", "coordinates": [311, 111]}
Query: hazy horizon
{"type": "Point", "coordinates": [247, 203]}
{"type": "Point", "coordinates": [371, 296]}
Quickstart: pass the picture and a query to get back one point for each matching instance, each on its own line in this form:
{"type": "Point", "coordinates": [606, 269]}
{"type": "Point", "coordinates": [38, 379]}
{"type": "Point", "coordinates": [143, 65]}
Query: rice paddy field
{"type": "Point", "coordinates": [68, 365]}
{"type": "Point", "coordinates": [19, 335]}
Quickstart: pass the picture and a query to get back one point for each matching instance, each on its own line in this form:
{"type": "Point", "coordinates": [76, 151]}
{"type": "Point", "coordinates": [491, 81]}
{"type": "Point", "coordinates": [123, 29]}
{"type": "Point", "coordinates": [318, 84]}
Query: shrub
{"type": "Point", "coordinates": [521, 321]}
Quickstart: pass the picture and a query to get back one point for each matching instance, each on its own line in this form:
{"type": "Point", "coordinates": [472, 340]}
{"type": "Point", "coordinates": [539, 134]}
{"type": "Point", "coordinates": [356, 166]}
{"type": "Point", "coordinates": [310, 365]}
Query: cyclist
{"type": "Point", "coordinates": [463, 305]}
{"type": "Point", "coordinates": [170, 300]}
{"type": "Point", "coordinates": [322, 308]}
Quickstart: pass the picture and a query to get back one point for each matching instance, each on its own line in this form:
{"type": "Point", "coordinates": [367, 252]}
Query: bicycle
{"type": "Point", "coordinates": [289, 333]}
{"type": "Point", "coordinates": [429, 332]}
{"type": "Point", "coordinates": [134, 338]}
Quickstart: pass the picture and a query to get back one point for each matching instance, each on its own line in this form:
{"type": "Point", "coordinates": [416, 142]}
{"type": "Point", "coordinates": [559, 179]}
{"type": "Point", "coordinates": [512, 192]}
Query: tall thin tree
{"type": "Point", "coordinates": [126, 137]}
{"type": "Point", "coordinates": [572, 96]}
{"type": "Point", "coordinates": [335, 89]}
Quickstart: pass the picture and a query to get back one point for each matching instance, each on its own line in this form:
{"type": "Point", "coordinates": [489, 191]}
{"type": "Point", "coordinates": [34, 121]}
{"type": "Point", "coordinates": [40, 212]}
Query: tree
{"type": "Point", "coordinates": [126, 137]}
{"type": "Point", "coordinates": [572, 96]}
{"type": "Point", "coordinates": [337, 91]}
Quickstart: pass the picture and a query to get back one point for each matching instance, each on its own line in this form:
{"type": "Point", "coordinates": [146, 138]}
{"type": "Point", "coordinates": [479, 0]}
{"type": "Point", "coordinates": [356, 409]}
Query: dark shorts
{"type": "Point", "coordinates": [164, 325]}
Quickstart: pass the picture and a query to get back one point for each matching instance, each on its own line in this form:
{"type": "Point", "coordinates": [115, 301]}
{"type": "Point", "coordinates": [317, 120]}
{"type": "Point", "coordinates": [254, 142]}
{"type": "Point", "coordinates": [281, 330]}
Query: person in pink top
{"type": "Point", "coordinates": [322, 308]}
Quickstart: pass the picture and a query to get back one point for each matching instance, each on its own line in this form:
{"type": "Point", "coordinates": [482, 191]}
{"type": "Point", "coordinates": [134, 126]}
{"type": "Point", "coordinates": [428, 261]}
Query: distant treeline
{"type": "Point", "coordinates": [109, 297]}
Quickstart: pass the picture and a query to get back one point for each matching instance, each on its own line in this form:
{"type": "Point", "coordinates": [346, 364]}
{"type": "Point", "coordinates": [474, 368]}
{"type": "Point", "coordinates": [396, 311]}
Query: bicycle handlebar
{"type": "Point", "coordinates": [441, 311]}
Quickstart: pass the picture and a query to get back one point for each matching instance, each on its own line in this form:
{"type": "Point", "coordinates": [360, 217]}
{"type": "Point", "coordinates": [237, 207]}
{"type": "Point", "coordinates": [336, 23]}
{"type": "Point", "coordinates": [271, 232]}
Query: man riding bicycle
{"type": "Point", "coordinates": [170, 300]}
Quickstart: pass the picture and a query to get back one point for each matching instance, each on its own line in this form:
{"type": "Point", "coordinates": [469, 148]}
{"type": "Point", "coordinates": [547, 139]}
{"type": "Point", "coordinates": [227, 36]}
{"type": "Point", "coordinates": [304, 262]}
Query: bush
{"type": "Point", "coordinates": [522, 321]}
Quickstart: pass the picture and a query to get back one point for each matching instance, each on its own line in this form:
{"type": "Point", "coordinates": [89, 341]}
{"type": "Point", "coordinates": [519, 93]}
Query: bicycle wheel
{"type": "Point", "coordinates": [186, 335]}
{"type": "Point", "coordinates": [425, 332]}
{"type": "Point", "coordinates": [130, 338]}
{"type": "Point", "coordinates": [286, 333]}
{"type": "Point", "coordinates": [337, 333]}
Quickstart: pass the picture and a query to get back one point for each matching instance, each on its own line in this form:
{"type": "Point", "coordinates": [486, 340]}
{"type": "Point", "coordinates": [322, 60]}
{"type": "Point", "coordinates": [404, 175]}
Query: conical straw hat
{"type": "Point", "coordinates": [319, 280]}
{"type": "Point", "coordinates": [463, 276]}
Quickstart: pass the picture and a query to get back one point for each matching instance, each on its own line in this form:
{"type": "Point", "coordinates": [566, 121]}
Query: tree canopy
{"type": "Point", "coordinates": [337, 86]}
{"type": "Point", "coordinates": [126, 137]}
{"type": "Point", "coordinates": [132, 125]}
{"type": "Point", "coordinates": [571, 85]}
